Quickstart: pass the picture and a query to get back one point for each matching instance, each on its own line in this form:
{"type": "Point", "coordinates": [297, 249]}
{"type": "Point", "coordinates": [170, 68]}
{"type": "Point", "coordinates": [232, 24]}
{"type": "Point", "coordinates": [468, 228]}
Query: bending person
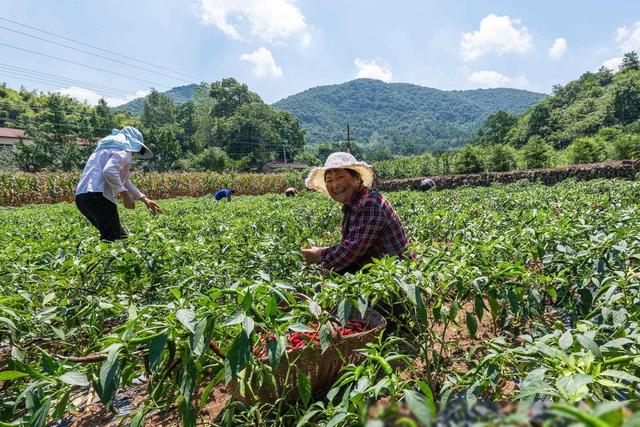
{"type": "Point", "coordinates": [371, 227]}
{"type": "Point", "coordinates": [106, 176]}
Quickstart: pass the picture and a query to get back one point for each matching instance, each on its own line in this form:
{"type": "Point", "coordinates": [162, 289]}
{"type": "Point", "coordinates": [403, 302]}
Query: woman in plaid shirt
{"type": "Point", "coordinates": [371, 227]}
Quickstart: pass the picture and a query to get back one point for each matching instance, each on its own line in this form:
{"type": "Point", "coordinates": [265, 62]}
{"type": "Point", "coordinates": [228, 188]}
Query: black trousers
{"type": "Point", "coordinates": [103, 214]}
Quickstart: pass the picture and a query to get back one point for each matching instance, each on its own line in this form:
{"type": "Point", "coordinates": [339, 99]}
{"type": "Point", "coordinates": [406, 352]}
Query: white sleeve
{"type": "Point", "coordinates": [111, 171]}
{"type": "Point", "coordinates": [135, 193]}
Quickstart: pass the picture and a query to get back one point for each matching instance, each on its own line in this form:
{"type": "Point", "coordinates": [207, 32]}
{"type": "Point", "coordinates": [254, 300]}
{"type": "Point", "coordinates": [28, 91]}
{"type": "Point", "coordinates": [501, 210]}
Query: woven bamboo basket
{"type": "Point", "coordinates": [321, 368]}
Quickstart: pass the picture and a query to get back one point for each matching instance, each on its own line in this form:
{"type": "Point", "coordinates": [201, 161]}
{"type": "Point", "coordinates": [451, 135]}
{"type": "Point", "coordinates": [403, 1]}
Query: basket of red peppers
{"type": "Point", "coordinates": [305, 355]}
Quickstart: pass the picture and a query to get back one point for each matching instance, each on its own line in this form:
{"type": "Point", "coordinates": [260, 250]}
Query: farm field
{"type": "Point", "coordinates": [522, 298]}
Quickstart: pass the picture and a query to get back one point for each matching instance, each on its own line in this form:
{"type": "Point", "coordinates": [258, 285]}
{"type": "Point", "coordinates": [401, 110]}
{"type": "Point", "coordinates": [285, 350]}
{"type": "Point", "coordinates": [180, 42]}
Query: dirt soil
{"type": "Point", "coordinates": [93, 414]}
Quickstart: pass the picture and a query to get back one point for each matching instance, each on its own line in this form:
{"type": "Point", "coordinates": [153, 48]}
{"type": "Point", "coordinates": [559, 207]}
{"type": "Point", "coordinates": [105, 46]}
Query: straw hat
{"type": "Point", "coordinates": [315, 180]}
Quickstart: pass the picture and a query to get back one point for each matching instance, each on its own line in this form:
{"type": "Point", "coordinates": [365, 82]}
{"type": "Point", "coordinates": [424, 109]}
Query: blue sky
{"type": "Point", "coordinates": [281, 47]}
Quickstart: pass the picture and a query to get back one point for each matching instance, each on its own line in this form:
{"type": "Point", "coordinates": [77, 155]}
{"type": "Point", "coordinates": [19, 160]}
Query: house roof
{"type": "Point", "coordinates": [12, 133]}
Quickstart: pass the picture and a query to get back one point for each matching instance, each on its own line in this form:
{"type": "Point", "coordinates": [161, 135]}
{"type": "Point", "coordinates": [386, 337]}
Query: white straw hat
{"type": "Point", "coordinates": [315, 180]}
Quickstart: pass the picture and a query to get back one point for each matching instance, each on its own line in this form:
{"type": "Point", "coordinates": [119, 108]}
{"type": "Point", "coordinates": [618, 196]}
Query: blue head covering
{"type": "Point", "coordinates": [128, 139]}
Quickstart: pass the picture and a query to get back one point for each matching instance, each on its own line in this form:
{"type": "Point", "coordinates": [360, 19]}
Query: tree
{"type": "Point", "coordinates": [630, 61]}
{"type": "Point", "coordinates": [228, 95]}
{"type": "Point", "coordinates": [307, 157]}
{"type": "Point", "coordinates": [536, 153]}
{"type": "Point", "coordinates": [210, 159]}
{"type": "Point", "coordinates": [158, 111]}
{"type": "Point", "coordinates": [102, 119]}
{"type": "Point", "coordinates": [626, 146]}
{"type": "Point", "coordinates": [502, 158]}
{"type": "Point", "coordinates": [468, 159]}
{"type": "Point", "coordinates": [186, 120]}
{"type": "Point", "coordinates": [496, 128]}
{"type": "Point", "coordinates": [164, 143]}
{"type": "Point", "coordinates": [586, 150]}
{"type": "Point", "coordinates": [625, 102]}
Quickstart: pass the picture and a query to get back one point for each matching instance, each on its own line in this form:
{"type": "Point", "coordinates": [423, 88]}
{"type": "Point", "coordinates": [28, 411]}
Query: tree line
{"type": "Point", "coordinates": [225, 127]}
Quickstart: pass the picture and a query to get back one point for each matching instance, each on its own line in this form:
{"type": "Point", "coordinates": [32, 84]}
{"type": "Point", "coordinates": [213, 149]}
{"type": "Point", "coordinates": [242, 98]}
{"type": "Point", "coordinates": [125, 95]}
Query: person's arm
{"type": "Point", "coordinates": [365, 231]}
{"type": "Point", "coordinates": [137, 195]}
{"type": "Point", "coordinates": [111, 173]}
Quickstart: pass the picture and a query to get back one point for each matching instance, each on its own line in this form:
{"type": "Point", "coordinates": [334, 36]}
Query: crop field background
{"type": "Point", "coordinates": [523, 296]}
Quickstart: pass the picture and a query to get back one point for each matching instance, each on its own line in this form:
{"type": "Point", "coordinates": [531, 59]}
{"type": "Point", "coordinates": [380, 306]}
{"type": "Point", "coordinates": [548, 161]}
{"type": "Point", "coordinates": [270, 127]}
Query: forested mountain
{"type": "Point", "coordinates": [583, 107]}
{"type": "Point", "coordinates": [179, 95]}
{"type": "Point", "coordinates": [408, 117]}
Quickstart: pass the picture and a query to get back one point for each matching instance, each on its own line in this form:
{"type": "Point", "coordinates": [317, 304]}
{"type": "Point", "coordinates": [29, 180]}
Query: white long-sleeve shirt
{"type": "Point", "coordinates": [107, 172]}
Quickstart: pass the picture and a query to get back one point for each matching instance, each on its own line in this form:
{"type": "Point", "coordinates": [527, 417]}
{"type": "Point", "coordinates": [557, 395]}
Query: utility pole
{"type": "Point", "coordinates": [348, 139]}
{"type": "Point", "coordinates": [284, 153]}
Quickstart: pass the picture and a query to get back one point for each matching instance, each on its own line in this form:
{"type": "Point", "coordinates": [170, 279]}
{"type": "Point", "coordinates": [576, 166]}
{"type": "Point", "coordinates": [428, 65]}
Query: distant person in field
{"type": "Point", "coordinates": [106, 176]}
{"type": "Point", "coordinates": [427, 184]}
{"type": "Point", "coordinates": [290, 192]}
{"type": "Point", "coordinates": [371, 227]}
{"type": "Point", "coordinates": [222, 194]}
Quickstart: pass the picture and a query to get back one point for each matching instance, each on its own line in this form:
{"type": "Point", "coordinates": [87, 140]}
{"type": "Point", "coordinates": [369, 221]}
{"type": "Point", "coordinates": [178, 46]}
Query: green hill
{"type": "Point", "coordinates": [583, 107]}
{"type": "Point", "coordinates": [179, 95]}
{"type": "Point", "coordinates": [402, 114]}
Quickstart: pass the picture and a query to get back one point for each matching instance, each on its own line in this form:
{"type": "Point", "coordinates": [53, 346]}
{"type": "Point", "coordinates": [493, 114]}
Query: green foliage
{"type": "Point", "coordinates": [496, 128]}
{"type": "Point", "coordinates": [469, 159]}
{"type": "Point", "coordinates": [627, 146]}
{"type": "Point", "coordinates": [586, 150]}
{"type": "Point", "coordinates": [626, 97]}
{"type": "Point", "coordinates": [8, 160]}
{"type": "Point", "coordinates": [179, 95]}
{"type": "Point", "coordinates": [228, 95]}
{"type": "Point", "coordinates": [307, 157]}
{"type": "Point", "coordinates": [536, 153]}
{"type": "Point", "coordinates": [630, 61]}
{"type": "Point", "coordinates": [406, 118]}
{"type": "Point", "coordinates": [210, 159]}
{"type": "Point", "coordinates": [158, 111]}
{"type": "Point", "coordinates": [502, 158]}
{"type": "Point", "coordinates": [546, 277]}
{"type": "Point", "coordinates": [581, 108]}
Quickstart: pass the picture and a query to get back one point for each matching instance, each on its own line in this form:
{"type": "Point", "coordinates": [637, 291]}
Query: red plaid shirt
{"type": "Point", "coordinates": [371, 228]}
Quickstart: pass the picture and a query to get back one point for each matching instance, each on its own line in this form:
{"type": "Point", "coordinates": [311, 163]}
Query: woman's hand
{"type": "Point", "coordinates": [151, 205]}
{"type": "Point", "coordinates": [127, 200]}
{"type": "Point", "coordinates": [311, 255]}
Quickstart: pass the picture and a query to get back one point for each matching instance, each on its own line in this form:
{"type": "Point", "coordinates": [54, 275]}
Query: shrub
{"type": "Point", "coordinates": [586, 150]}
{"type": "Point", "coordinates": [210, 159]}
{"type": "Point", "coordinates": [502, 158]}
{"type": "Point", "coordinates": [468, 159]}
{"type": "Point", "coordinates": [536, 153]}
{"type": "Point", "coordinates": [626, 146]}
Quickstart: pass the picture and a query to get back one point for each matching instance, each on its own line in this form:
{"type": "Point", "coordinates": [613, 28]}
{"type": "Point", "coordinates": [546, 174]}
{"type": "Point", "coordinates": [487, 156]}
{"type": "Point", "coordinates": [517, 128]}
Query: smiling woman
{"type": "Point", "coordinates": [371, 227]}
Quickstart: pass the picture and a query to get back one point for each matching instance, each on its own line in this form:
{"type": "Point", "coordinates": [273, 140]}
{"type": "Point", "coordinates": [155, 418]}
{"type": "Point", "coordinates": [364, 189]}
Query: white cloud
{"type": "Point", "coordinates": [558, 49]}
{"type": "Point", "coordinates": [263, 63]}
{"type": "Point", "coordinates": [628, 39]}
{"type": "Point", "coordinates": [373, 69]}
{"type": "Point", "coordinates": [92, 98]}
{"type": "Point", "coordinates": [613, 64]}
{"type": "Point", "coordinates": [269, 20]}
{"type": "Point", "coordinates": [490, 79]}
{"type": "Point", "coordinates": [498, 35]}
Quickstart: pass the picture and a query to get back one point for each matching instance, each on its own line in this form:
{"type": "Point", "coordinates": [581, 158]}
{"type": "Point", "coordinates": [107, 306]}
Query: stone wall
{"type": "Point", "coordinates": [624, 169]}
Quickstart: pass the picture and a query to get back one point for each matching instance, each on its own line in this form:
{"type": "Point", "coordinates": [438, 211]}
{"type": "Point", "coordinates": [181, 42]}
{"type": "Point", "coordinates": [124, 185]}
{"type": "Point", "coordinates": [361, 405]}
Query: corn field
{"type": "Point", "coordinates": [18, 189]}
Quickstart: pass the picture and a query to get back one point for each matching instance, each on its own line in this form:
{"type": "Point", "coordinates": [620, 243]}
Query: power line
{"type": "Point", "coordinates": [95, 54]}
{"type": "Point", "coordinates": [83, 65]}
{"type": "Point", "coordinates": [16, 69]}
{"type": "Point", "coordinates": [53, 82]}
{"type": "Point", "coordinates": [100, 49]}
{"type": "Point", "coordinates": [78, 125]}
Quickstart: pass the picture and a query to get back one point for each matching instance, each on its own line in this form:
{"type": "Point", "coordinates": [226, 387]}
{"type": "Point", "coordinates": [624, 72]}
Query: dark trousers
{"type": "Point", "coordinates": [103, 214]}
